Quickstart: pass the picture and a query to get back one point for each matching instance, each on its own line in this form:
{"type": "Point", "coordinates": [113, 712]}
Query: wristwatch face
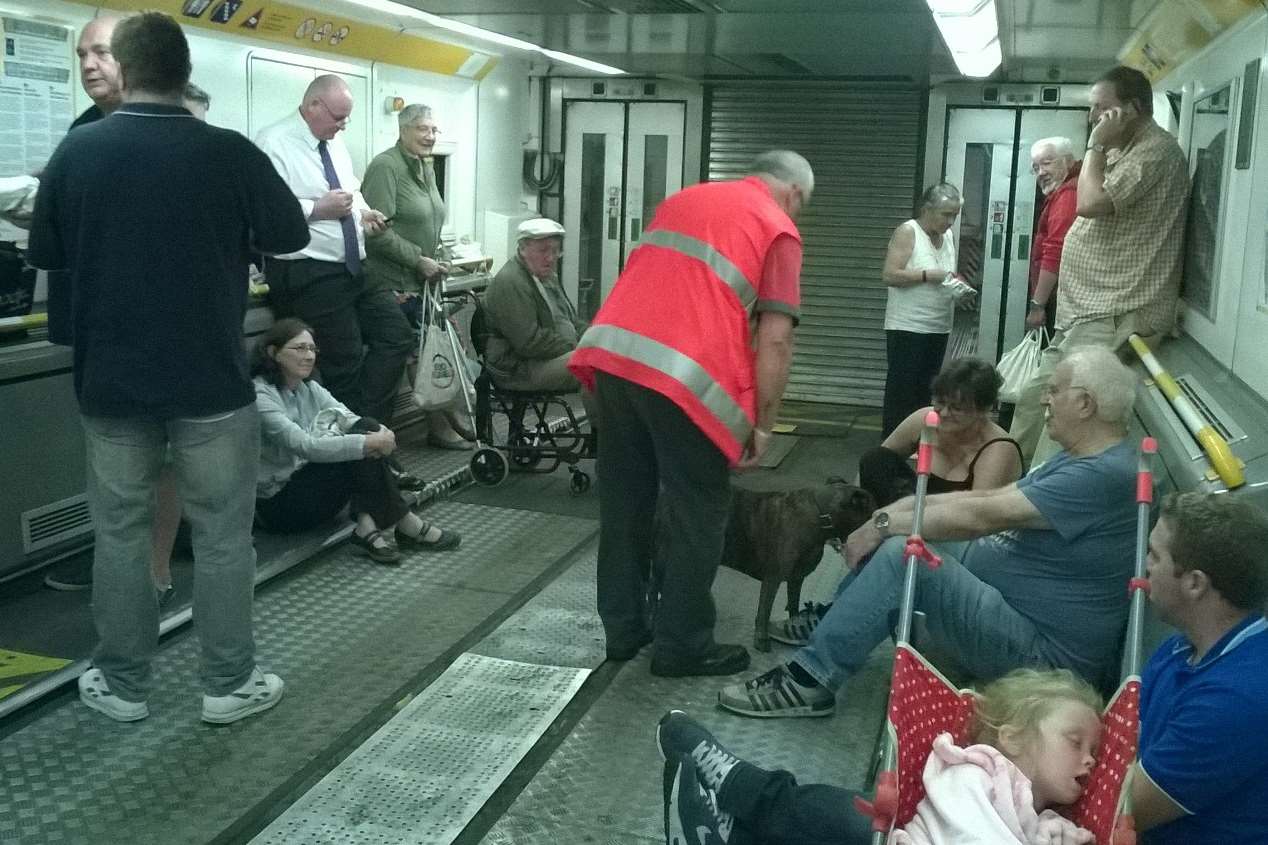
{"type": "Point", "coordinates": [881, 521]}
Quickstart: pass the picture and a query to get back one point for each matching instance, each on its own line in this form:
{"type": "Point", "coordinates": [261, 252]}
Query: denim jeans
{"type": "Point", "coordinates": [215, 460]}
{"type": "Point", "coordinates": [963, 613]}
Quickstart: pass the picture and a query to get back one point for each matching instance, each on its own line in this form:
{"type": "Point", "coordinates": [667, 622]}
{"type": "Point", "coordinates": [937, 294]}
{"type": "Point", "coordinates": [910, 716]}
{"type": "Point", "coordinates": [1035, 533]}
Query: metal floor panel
{"type": "Point", "coordinates": [603, 783]}
{"type": "Point", "coordinates": [423, 775]}
{"type": "Point", "coordinates": [346, 635]}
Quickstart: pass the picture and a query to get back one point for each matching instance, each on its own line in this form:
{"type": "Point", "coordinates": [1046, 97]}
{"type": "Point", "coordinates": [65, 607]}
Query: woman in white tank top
{"type": "Point", "coordinates": [920, 309]}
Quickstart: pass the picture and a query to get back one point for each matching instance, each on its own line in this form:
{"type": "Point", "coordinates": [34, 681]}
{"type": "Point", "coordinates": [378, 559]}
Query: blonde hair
{"type": "Point", "coordinates": [1024, 697]}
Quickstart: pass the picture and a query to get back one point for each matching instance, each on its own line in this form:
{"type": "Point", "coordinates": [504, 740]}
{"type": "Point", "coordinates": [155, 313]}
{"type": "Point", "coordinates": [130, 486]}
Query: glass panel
{"type": "Point", "coordinates": [1206, 157]}
{"type": "Point", "coordinates": [655, 179]}
{"type": "Point", "coordinates": [590, 238]}
{"type": "Point", "coordinates": [971, 248]}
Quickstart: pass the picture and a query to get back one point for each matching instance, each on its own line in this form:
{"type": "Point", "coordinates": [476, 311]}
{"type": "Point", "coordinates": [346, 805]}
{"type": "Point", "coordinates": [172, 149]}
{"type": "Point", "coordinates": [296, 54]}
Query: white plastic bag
{"type": "Point", "coordinates": [1019, 364]}
{"type": "Point", "coordinates": [437, 385]}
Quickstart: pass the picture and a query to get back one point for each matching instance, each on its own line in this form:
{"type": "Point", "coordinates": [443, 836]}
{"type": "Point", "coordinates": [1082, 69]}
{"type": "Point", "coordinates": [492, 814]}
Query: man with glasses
{"type": "Point", "coordinates": [1032, 574]}
{"type": "Point", "coordinates": [323, 283]}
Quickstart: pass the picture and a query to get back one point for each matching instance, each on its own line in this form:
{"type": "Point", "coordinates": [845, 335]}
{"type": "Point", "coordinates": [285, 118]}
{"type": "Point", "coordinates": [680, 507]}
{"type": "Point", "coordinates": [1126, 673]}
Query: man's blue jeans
{"type": "Point", "coordinates": [963, 613]}
{"type": "Point", "coordinates": [216, 460]}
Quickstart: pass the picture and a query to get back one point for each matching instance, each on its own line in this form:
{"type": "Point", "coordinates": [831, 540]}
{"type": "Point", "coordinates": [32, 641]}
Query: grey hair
{"type": "Point", "coordinates": [786, 166]}
{"type": "Point", "coordinates": [1059, 144]}
{"type": "Point", "coordinates": [412, 114]}
{"type": "Point", "coordinates": [1107, 379]}
{"type": "Point", "coordinates": [935, 195]}
{"type": "Point", "coordinates": [194, 94]}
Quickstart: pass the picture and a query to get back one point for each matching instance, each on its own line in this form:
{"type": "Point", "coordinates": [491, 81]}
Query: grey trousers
{"type": "Point", "coordinates": [215, 460]}
{"type": "Point", "coordinates": [551, 374]}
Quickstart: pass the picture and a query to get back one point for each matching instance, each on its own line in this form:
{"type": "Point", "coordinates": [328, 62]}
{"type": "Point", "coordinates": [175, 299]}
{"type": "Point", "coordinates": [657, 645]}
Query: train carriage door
{"type": "Point", "coordinates": [620, 160]}
{"type": "Point", "coordinates": [988, 158]}
{"type": "Point", "coordinates": [981, 154]}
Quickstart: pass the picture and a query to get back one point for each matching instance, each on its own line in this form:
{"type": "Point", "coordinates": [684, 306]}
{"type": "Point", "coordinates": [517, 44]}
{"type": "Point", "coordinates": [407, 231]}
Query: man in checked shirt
{"type": "Point", "coordinates": [1120, 267]}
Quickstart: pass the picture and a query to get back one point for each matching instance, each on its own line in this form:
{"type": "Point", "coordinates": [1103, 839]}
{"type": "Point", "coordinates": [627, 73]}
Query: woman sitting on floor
{"type": "Point", "coordinates": [970, 452]}
{"type": "Point", "coordinates": [316, 456]}
{"type": "Point", "coordinates": [1036, 735]}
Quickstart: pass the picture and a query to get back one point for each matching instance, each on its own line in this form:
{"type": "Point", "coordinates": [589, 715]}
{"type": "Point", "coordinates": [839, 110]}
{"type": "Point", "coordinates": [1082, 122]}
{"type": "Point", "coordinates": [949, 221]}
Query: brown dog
{"type": "Point", "coordinates": [778, 537]}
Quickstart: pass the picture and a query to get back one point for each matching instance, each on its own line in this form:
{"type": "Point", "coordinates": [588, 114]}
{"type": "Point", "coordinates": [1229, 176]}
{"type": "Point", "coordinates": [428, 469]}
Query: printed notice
{"type": "Point", "coordinates": [36, 75]}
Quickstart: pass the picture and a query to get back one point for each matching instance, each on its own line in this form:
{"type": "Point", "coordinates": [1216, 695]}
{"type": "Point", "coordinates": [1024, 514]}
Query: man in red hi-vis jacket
{"type": "Point", "coordinates": [688, 358]}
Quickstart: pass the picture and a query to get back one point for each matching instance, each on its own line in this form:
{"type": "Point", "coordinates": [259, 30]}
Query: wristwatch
{"type": "Point", "coordinates": [880, 521]}
{"type": "Point", "coordinates": [1100, 148]}
{"type": "Point", "coordinates": [1036, 304]}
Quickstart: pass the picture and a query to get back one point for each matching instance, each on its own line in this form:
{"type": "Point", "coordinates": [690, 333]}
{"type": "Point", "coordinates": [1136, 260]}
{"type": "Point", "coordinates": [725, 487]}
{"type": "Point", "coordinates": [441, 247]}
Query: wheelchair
{"type": "Point", "coordinates": [533, 442]}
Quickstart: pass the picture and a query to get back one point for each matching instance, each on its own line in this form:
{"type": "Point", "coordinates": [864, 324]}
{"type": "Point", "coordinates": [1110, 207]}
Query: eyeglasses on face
{"type": "Point", "coordinates": [942, 406]}
{"type": "Point", "coordinates": [424, 129]}
{"type": "Point", "coordinates": [1051, 390]}
{"type": "Point", "coordinates": [302, 347]}
{"type": "Point", "coordinates": [336, 118]}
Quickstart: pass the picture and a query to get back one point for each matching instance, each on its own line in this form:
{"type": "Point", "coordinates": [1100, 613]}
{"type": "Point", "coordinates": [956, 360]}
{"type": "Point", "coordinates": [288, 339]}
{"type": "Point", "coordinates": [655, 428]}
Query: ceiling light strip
{"type": "Point", "coordinates": [401, 10]}
{"type": "Point", "coordinates": [970, 29]}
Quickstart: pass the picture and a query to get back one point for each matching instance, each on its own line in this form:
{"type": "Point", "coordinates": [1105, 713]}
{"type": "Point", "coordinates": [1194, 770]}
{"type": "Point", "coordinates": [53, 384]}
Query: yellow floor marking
{"type": "Point", "coordinates": [27, 667]}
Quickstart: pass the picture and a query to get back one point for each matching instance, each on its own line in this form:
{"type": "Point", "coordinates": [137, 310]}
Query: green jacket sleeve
{"type": "Point", "coordinates": [379, 188]}
{"type": "Point", "coordinates": [511, 306]}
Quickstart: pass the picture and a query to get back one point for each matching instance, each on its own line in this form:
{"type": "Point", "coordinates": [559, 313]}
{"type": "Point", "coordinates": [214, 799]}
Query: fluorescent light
{"type": "Point", "coordinates": [971, 32]}
{"type": "Point", "coordinates": [580, 62]}
{"type": "Point", "coordinates": [980, 64]}
{"type": "Point", "coordinates": [401, 10]}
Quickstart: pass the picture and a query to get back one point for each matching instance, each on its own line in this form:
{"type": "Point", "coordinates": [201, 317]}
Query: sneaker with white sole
{"type": "Point", "coordinates": [261, 691]}
{"type": "Point", "coordinates": [678, 734]}
{"type": "Point", "coordinates": [692, 815]}
{"type": "Point", "coordinates": [95, 693]}
{"type": "Point", "coordinates": [776, 694]}
{"type": "Point", "coordinates": [796, 629]}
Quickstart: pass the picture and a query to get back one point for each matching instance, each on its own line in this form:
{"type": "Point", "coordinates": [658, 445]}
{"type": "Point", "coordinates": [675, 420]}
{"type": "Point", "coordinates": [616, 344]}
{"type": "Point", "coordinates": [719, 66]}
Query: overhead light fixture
{"type": "Point", "coordinates": [401, 10]}
{"type": "Point", "coordinates": [971, 32]}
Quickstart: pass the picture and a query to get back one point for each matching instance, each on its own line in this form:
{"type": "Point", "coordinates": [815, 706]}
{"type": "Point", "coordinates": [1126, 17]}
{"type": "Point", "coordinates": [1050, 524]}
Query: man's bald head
{"type": "Point", "coordinates": [327, 105]}
{"type": "Point", "coordinates": [98, 70]}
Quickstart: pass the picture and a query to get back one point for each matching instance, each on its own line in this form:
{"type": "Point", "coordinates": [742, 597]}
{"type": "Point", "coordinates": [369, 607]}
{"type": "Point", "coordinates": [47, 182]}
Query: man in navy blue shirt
{"type": "Point", "coordinates": [1202, 778]}
{"type": "Point", "coordinates": [154, 215]}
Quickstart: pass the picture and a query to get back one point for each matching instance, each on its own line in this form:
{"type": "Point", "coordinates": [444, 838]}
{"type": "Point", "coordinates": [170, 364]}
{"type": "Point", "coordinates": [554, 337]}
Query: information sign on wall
{"type": "Point", "coordinates": [36, 74]}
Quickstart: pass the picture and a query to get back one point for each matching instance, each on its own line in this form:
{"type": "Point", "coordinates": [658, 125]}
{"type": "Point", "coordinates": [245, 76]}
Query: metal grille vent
{"type": "Point", "coordinates": [52, 524]}
{"type": "Point", "coordinates": [657, 7]}
{"type": "Point", "coordinates": [1210, 410]}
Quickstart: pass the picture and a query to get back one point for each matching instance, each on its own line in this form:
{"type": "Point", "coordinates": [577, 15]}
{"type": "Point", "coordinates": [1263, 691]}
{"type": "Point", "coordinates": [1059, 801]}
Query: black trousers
{"type": "Point", "coordinates": [771, 808]}
{"type": "Point", "coordinates": [912, 360]}
{"type": "Point", "coordinates": [317, 492]}
{"type": "Point", "coordinates": [365, 340]}
{"type": "Point", "coordinates": [657, 468]}
{"type": "Point", "coordinates": [886, 475]}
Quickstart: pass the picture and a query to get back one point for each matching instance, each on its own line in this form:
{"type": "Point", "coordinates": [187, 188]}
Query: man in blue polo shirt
{"type": "Point", "coordinates": [154, 215]}
{"type": "Point", "coordinates": [1203, 772]}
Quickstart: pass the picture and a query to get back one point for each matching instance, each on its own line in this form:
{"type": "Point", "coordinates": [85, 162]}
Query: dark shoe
{"type": "Point", "coordinates": [377, 547]}
{"type": "Point", "coordinates": [447, 539]}
{"type": "Point", "coordinates": [719, 659]}
{"type": "Point", "coordinates": [628, 652]}
{"type": "Point", "coordinates": [165, 595]}
{"type": "Point", "coordinates": [678, 734]}
{"type": "Point", "coordinates": [777, 694]}
{"type": "Point", "coordinates": [692, 816]}
{"type": "Point", "coordinates": [409, 483]}
{"type": "Point", "coordinates": [796, 629]}
{"type": "Point", "coordinates": [71, 577]}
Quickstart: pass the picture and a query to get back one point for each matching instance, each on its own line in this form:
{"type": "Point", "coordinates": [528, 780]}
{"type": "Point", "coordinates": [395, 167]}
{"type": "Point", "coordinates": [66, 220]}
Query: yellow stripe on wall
{"type": "Point", "coordinates": [295, 26]}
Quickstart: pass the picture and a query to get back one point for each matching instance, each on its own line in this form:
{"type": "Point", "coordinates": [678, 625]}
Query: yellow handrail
{"type": "Point", "coordinates": [1226, 464]}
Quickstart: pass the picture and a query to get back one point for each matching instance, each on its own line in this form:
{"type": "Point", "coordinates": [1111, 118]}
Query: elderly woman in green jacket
{"type": "Point", "coordinates": [533, 326]}
{"type": "Point", "coordinates": [401, 183]}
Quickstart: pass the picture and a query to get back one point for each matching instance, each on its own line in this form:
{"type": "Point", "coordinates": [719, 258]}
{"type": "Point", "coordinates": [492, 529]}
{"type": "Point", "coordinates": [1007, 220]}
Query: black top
{"type": "Point", "coordinates": [938, 484]}
{"type": "Point", "coordinates": [155, 215]}
{"type": "Point", "coordinates": [59, 313]}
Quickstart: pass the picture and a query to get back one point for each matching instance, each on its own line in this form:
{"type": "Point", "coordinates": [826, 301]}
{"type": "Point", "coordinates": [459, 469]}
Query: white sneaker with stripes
{"type": "Point", "coordinates": [775, 694]}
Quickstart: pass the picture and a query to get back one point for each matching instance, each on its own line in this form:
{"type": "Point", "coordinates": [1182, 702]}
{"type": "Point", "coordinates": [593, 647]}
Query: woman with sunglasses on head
{"type": "Point", "coordinates": [970, 452]}
{"type": "Point", "coordinates": [316, 456]}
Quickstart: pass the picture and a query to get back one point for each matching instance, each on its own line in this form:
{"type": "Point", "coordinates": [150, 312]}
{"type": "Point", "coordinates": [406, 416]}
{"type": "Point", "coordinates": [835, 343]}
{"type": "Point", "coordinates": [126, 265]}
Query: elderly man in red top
{"type": "Point", "coordinates": [688, 358]}
{"type": "Point", "coordinates": [1053, 163]}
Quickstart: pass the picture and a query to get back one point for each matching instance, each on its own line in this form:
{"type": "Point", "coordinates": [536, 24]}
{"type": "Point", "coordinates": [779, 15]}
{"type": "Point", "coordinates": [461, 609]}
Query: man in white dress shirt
{"type": "Point", "coordinates": [322, 284]}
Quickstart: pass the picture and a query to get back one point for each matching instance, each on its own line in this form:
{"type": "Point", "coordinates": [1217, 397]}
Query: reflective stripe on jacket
{"type": "Point", "coordinates": [678, 319]}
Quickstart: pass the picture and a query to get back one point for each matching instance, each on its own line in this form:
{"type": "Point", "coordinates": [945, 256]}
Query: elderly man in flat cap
{"type": "Point", "coordinates": [533, 326]}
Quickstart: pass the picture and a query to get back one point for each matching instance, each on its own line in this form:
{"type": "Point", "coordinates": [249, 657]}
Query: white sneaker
{"type": "Point", "coordinates": [260, 692]}
{"type": "Point", "coordinates": [96, 694]}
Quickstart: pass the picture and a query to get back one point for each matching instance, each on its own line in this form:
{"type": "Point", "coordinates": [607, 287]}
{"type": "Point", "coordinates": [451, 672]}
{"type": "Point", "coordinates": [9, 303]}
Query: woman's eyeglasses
{"type": "Point", "coordinates": [303, 347]}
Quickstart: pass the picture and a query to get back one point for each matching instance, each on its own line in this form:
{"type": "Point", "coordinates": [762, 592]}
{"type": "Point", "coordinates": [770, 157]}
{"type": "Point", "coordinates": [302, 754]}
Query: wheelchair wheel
{"type": "Point", "coordinates": [489, 467]}
{"type": "Point", "coordinates": [579, 483]}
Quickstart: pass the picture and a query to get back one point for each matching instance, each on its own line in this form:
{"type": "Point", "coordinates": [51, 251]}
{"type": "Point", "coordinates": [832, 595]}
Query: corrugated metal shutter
{"type": "Point", "coordinates": [864, 142]}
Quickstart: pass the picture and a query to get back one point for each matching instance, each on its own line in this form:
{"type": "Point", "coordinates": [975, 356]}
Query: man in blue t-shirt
{"type": "Point", "coordinates": [1042, 583]}
{"type": "Point", "coordinates": [1202, 778]}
